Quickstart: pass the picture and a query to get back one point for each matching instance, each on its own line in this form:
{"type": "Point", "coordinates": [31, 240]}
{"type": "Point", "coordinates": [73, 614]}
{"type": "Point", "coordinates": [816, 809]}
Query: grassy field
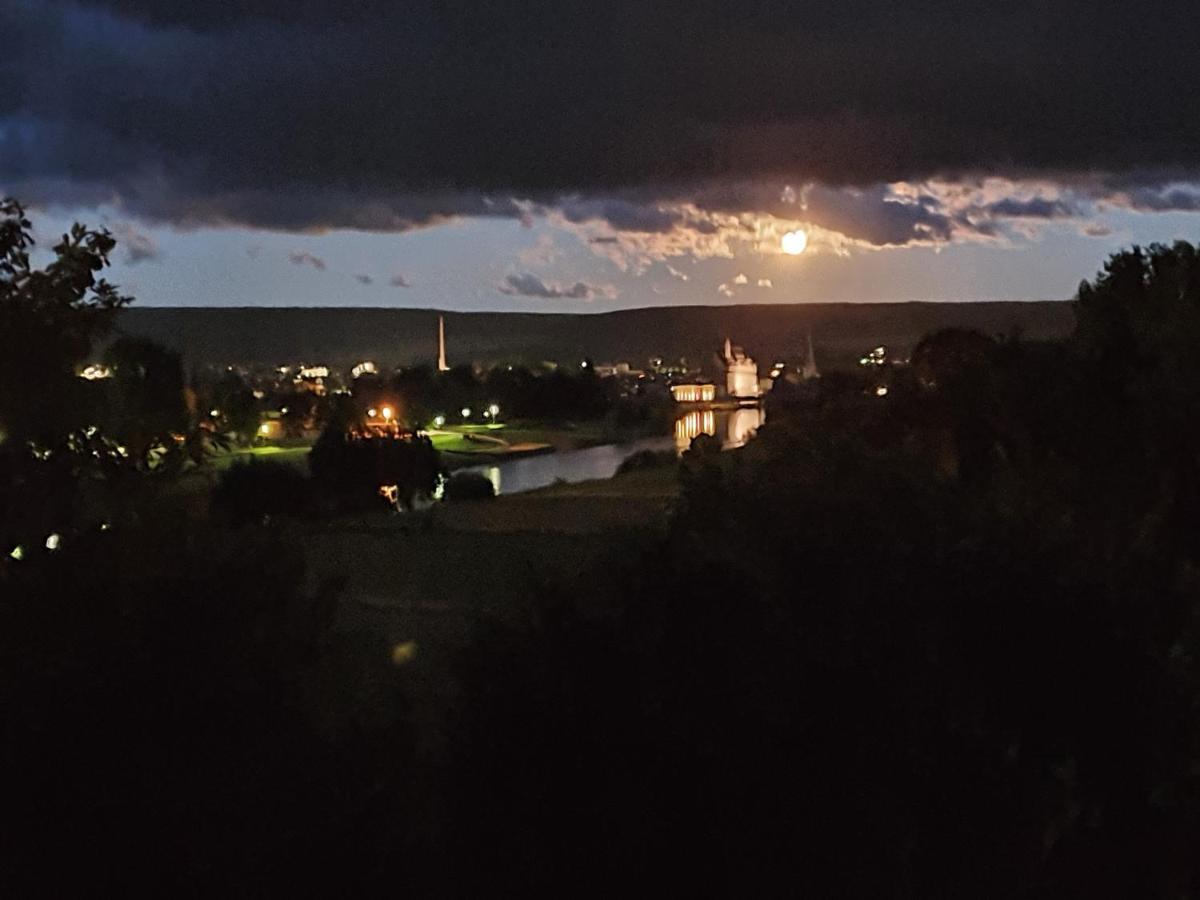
{"type": "Point", "coordinates": [520, 437]}
{"type": "Point", "coordinates": [633, 501]}
{"type": "Point", "coordinates": [423, 591]}
{"type": "Point", "coordinates": [293, 455]}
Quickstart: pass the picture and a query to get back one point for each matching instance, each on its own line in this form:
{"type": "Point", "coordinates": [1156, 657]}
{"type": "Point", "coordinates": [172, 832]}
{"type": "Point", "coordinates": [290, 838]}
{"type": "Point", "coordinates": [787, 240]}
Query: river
{"type": "Point", "coordinates": [735, 427]}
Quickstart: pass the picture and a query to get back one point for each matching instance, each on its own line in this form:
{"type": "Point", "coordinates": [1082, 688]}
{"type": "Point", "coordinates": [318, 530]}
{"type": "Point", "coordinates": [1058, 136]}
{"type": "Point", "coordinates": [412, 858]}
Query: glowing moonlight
{"type": "Point", "coordinates": [794, 242]}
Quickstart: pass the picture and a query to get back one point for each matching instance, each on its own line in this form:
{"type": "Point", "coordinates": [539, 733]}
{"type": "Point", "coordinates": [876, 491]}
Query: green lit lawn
{"type": "Point", "coordinates": [560, 435]}
{"type": "Point", "coordinates": [295, 456]}
{"type": "Point", "coordinates": [454, 442]}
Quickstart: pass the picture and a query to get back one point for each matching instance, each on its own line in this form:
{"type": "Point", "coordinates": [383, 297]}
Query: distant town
{"type": "Point", "coordinates": [472, 411]}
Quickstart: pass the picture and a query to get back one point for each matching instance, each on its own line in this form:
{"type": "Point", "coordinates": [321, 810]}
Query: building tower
{"type": "Point", "coordinates": [442, 367]}
{"type": "Point", "coordinates": [741, 374]}
{"type": "Point", "coordinates": [810, 370]}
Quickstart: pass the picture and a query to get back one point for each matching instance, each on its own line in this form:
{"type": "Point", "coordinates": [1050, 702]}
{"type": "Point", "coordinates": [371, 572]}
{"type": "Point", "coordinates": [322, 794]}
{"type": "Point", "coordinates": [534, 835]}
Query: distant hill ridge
{"type": "Point", "coordinates": [341, 337]}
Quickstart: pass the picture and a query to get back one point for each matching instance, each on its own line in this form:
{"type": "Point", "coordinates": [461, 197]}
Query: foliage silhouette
{"type": "Point", "coordinates": [469, 486]}
{"type": "Point", "coordinates": [351, 468]}
{"type": "Point", "coordinates": [251, 490]}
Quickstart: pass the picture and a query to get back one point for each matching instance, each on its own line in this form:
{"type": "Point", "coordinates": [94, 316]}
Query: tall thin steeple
{"type": "Point", "coordinates": [810, 363]}
{"type": "Point", "coordinates": [442, 367]}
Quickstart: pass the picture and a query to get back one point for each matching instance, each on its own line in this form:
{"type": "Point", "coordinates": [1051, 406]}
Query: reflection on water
{"type": "Point", "coordinates": [492, 473]}
{"type": "Point", "coordinates": [734, 427]}
{"type": "Point", "coordinates": [694, 424]}
{"type": "Point", "coordinates": [532, 472]}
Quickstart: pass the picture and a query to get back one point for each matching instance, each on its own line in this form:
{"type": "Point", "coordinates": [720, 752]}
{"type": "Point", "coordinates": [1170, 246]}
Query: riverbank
{"type": "Point", "coordinates": [471, 445]}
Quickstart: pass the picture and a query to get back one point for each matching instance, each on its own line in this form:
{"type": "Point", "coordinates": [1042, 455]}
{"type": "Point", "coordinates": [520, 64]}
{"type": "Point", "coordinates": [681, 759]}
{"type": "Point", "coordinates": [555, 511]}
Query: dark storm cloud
{"type": "Point", "coordinates": [1033, 208]}
{"type": "Point", "coordinates": [622, 215]}
{"type": "Point", "coordinates": [529, 285]}
{"type": "Point", "coordinates": [1163, 200]}
{"type": "Point", "coordinates": [386, 116]}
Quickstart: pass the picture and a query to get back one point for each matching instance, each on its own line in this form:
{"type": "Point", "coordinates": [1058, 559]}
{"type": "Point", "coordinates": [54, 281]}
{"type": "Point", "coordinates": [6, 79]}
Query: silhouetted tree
{"type": "Point", "coordinates": [469, 486]}
{"type": "Point", "coordinates": [146, 410]}
{"type": "Point", "coordinates": [50, 319]}
{"type": "Point", "coordinates": [253, 489]}
{"type": "Point", "coordinates": [351, 469]}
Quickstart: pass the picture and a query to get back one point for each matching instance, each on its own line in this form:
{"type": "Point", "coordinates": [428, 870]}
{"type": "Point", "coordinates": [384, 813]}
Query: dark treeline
{"type": "Point", "coordinates": [938, 644]}
{"type": "Point", "coordinates": [935, 643]}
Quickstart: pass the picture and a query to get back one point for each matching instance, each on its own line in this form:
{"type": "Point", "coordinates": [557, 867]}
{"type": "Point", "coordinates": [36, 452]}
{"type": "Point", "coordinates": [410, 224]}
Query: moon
{"type": "Point", "coordinates": [794, 242]}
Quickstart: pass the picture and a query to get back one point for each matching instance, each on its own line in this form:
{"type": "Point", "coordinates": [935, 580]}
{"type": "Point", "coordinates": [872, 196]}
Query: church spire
{"type": "Point", "coordinates": [810, 362]}
{"type": "Point", "coordinates": [442, 367]}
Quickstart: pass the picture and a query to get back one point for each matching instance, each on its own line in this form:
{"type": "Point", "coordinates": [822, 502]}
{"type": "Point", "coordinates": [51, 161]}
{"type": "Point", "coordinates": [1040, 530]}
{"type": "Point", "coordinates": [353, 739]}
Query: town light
{"type": "Point", "coordinates": [387, 413]}
{"type": "Point", "coordinates": [264, 429]}
{"type": "Point", "coordinates": [53, 541]}
{"type": "Point", "coordinates": [466, 412]}
{"type": "Point", "coordinates": [494, 410]}
{"type": "Point", "coordinates": [439, 420]}
{"type": "Point", "coordinates": [372, 412]}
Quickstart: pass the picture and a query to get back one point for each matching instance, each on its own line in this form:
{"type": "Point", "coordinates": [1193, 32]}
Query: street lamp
{"type": "Point", "coordinates": [494, 410]}
{"type": "Point", "coordinates": [466, 412]}
{"type": "Point", "coordinates": [439, 420]}
{"type": "Point", "coordinates": [387, 413]}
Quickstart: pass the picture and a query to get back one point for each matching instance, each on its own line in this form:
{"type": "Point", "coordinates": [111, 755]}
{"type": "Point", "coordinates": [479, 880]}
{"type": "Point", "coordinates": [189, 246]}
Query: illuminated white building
{"type": "Point", "coordinates": [741, 374]}
{"type": "Point", "coordinates": [694, 393]}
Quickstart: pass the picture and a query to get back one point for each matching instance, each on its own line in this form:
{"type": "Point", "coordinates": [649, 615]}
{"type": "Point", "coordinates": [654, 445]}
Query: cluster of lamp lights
{"type": "Point", "coordinates": [53, 542]}
{"type": "Point", "coordinates": [877, 357]}
{"type": "Point", "coordinates": [492, 412]}
{"type": "Point", "coordinates": [387, 413]}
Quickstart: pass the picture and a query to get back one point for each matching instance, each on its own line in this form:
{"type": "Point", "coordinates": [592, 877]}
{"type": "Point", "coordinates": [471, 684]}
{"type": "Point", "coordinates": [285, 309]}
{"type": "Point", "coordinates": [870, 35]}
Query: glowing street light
{"type": "Point", "coordinates": [372, 412]}
{"type": "Point", "coordinates": [494, 410]}
{"type": "Point", "coordinates": [387, 413]}
{"type": "Point", "coordinates": [439, 420]}
{"type": "Point", "coordinates": [264, 429]}
{"type": "Point", "coordinates": [466, 412]}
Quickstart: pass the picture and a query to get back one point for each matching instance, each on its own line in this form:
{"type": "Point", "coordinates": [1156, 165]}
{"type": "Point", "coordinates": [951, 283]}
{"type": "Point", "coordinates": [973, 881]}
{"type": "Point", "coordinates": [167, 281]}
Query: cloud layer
{"type": "Point", "coordinates": [383, 116]}
{"type": "Point", "coordinates": [526, 284]}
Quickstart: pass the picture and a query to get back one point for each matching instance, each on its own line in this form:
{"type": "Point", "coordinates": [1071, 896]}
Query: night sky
{"type": "Point", "coordinates": [568, 155]}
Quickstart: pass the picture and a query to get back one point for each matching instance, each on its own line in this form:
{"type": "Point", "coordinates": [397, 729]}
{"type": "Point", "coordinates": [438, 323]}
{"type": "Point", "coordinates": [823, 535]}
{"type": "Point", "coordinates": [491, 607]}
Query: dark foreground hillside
{"type": "Point", "coordinates": [341, 337]}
